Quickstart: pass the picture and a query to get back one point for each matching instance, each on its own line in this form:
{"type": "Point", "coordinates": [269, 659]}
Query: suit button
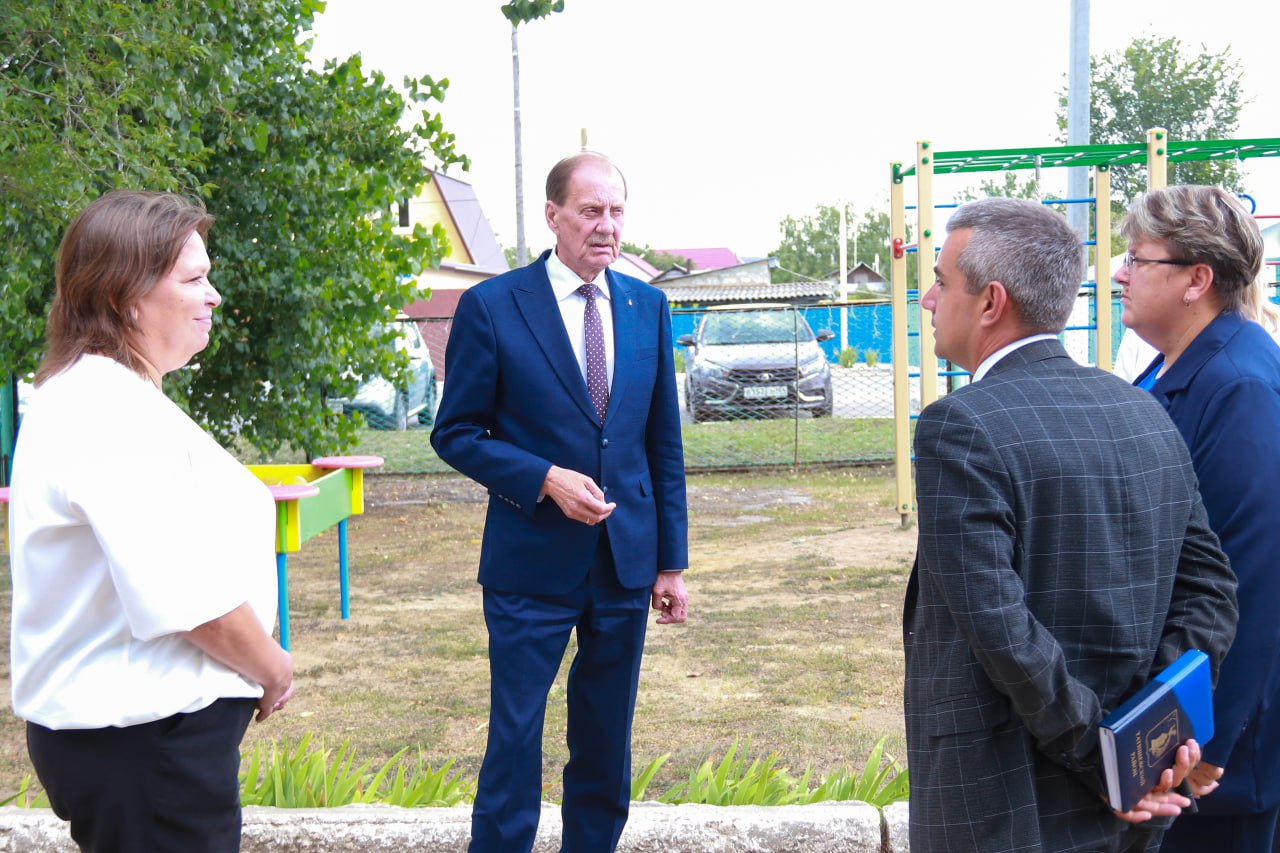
{"type": "Point", "coordinates": [604, 442]}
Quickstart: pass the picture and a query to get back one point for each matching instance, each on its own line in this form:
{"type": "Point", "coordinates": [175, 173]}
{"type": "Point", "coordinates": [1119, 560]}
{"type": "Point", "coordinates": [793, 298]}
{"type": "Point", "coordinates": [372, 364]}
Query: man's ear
{"type": "Point", "coordinates": [552, 211]}
{"type": "Point", "coordinates": [996, 306]}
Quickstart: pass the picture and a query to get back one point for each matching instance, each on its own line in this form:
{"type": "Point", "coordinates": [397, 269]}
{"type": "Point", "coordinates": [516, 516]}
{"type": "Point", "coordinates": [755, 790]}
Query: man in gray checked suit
{"type": "Point", "coordinates": [1064, 558]}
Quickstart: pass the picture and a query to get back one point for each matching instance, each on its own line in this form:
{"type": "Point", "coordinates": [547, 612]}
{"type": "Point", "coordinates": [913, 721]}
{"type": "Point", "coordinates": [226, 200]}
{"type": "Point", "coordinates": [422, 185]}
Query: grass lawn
{"type": "Point", "coordinates": [715, 445]}
{"type": "Point", "coordinates": [793, 642]}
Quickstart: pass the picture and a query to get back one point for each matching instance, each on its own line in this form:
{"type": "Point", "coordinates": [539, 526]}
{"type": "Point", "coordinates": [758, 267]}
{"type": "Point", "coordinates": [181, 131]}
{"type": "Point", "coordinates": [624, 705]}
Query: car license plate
{"type": "Point", "coordinates": [762, 392]}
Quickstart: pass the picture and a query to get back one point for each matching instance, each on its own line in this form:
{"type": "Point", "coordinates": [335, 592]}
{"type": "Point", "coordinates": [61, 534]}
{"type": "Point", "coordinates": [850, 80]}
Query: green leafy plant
{"type": "Point", "coordinates": [641, 783]}
{"type": "Point", "coordinates": [679, 356]}
{"type": "Point", "coordinates": [848, 357]}
{"type": "Point", "coordinates": [25, 798]}
{"type": "Point", "coordinates": [882, 782]}
{"type": "Point", "coordinates": [309, 777]}
{"type": "Point", "coordinates": [872, 357]}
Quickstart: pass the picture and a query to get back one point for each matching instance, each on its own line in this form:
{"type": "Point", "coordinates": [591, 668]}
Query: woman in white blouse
{"type": "Point", "coordinates": [144, 584]}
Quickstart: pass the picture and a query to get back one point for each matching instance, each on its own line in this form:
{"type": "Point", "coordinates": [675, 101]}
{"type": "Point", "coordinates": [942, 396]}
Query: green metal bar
{"type": "Point", "coordinates": [8, 426]}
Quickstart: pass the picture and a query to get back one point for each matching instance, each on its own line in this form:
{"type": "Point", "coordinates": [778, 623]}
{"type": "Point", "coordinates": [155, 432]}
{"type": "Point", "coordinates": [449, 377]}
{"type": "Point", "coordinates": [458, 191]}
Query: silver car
{"type": "Point", "coordinates": [756, 361]}
{"type": "Point", "coordinates": [388, 406]}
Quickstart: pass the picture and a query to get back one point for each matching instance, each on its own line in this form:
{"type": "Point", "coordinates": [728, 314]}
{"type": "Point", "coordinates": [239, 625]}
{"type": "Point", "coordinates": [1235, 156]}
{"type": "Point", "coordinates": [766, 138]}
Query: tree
{"type": "Point", "coordinates": [1008, 186]}
{"type": "Point", "coordinates": [1157, 82]}
{"type": "Point", "coordinates": [809, 246]}
{"type": "Point", "coordinates": [300, 167]}
{"type": "Point", "coordinates": [660, 261]}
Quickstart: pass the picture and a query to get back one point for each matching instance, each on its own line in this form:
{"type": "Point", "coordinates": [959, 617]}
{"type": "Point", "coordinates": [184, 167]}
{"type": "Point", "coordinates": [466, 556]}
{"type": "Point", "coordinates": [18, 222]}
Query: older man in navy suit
{"type": "Point", "coordinates": [561, 401]}
{"type": "Point", "coordinates": [1064, 558]}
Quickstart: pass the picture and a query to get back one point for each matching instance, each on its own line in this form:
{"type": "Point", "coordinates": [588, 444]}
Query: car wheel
{"type": "Point", "coordinates": [400, 417]}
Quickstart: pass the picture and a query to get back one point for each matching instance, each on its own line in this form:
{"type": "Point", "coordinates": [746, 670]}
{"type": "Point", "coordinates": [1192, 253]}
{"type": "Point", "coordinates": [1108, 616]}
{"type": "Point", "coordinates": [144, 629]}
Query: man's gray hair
{"type": "Point", "coordinates": [1030, 250]}
{"type": "Point", "coordinates": [1205, 225]}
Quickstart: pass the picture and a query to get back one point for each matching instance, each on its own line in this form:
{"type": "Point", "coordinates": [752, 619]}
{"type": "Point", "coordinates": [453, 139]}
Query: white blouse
{"type": "Point", "coordinates": [128, 525]}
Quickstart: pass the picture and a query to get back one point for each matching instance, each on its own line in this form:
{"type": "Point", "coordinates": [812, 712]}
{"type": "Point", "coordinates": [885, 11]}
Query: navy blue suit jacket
{"type": "Point", "coordinates": [515, 403]}
{"type": "Point", "coordinates": [1223, 394]}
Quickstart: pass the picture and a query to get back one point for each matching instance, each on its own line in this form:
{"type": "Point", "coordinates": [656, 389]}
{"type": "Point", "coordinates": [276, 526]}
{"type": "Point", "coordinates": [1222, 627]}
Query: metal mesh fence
{"type": "Point", "coordinates": [758, 387]}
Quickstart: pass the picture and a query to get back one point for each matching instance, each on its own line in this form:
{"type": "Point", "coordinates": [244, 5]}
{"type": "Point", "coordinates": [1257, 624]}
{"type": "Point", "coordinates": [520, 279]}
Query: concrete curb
{"type": "Point", "coordinates": [819, 828]}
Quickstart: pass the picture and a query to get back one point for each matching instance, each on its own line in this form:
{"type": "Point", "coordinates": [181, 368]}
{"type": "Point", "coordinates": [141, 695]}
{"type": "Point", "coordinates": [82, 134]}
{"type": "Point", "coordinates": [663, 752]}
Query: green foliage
{"type": "Point", "coordinates": [640, 784]}
{"type": "Point", "coordinates": [733, 782]}
{"type": "Point", "coordinates": [1160, 82]}
{"type": "Point", "coordinates": [309, 777]}
{"type": "Point", "coordinates": [809, 246]}
{"type": "Point", "coordinates": [306, 777]}
{"type": "Point", "coordinates": [299, 165]}
{"type": "Point", "coordinates": [26, 798]}
{"type": "Point", "coordinates": [1008, 187]}
{"type": "Point", "coordinates": [882, 782]}
{"type": "Point", "coordinates": [679, 357]}
{"type": "Point", "coordinates": [522, 11]}
{"type": "Point", "coordinates": [872, 357]}
{"type": "Point", "coordinates": [848, 357]}
{"type": "Point", "coordinates": [659, 260]}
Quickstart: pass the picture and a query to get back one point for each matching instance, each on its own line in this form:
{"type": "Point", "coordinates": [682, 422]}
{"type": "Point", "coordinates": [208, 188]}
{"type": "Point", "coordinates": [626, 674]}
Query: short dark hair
{"type": "Point", "coordinates": [111, 256]}
{"type": "Point", "coordinates": [561, 173]}
{"type": "Point", "coordinates": [1206, 225]}
{"type": "Point", "coordinates": [1030, 250]}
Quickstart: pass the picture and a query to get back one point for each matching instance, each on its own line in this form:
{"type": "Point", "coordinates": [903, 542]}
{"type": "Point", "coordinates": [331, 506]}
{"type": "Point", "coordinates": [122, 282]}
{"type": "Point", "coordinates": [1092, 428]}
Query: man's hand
{"type": "Point", "coordinates": [577, 495]}
{"type": "Point", "coordinates": [670, 598]}
{"type": "Point", "coordinates": [1162, 800]}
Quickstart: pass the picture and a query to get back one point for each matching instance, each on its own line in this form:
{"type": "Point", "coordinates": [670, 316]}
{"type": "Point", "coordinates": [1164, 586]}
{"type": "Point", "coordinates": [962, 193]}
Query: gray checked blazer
{"type": "Point", "coordinates": [1064, 558]}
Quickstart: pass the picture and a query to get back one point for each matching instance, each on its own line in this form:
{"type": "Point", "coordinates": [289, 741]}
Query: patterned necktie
{"type": "Point", "coordinates": [597, 372]}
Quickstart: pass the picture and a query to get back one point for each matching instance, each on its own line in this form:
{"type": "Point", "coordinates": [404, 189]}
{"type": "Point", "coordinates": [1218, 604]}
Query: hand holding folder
{"type": "Point", "coordinates": [1140, 739]}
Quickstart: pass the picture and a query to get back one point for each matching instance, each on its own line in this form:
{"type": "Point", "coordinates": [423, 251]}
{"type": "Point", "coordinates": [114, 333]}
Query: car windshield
{"type": "Point", "coordinates": [755, 327]}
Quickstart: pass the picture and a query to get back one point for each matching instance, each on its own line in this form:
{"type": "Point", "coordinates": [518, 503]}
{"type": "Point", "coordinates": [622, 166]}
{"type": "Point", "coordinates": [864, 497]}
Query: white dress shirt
{"type": "Point", "coordinates": [994, 359]}
{"type": "Point", "coordinates": [573, 305]}
{"type": "Point", "coordinates": [128, 526]}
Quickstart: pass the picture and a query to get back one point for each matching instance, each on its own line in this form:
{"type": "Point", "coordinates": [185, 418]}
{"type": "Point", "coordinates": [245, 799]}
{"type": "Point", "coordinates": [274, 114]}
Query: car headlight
{"type": "Point", "coordinates": [814, 366]}
{"type": "Point", "coordinates": [710, 369]}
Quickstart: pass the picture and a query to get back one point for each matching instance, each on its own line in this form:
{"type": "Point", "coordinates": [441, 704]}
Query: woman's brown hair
{"type": "Point", "coordinates": [112, 255]}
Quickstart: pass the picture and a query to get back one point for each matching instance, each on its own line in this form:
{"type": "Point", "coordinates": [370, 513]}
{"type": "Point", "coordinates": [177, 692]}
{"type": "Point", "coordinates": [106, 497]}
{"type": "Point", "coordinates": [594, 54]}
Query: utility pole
{"type": "Point", "coordinates": [522, 251]}
{"type": "Point", "coordinates": [1078, 83]}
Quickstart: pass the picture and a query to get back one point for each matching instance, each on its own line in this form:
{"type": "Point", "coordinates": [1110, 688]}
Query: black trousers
{"type": "Point", "coordinates": [169, 785]}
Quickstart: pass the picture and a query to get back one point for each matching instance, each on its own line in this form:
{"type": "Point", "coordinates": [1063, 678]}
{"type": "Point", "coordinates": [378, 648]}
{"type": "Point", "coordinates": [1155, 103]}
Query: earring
{"type": "Point", "coordinates": [1186, 301]}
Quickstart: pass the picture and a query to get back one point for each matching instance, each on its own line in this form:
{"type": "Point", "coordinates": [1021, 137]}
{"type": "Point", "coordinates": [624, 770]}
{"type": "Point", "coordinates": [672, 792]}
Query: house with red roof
{"type": "Point", "coordinates": [706, 259]}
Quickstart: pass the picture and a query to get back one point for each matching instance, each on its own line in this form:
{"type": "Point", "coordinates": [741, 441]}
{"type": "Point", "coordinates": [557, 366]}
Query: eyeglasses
{"type": "Point", "coordinates": [1130, 260]}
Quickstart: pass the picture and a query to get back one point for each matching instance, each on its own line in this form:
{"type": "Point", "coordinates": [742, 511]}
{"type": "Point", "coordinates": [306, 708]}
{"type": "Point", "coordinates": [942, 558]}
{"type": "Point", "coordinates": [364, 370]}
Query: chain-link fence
{"type": "Point", "coordinates": [758, 386]}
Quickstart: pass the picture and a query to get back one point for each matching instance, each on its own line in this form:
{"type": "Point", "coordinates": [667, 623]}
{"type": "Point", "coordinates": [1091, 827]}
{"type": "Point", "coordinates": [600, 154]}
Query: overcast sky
{"type": "Point", "coordinates": [727, 115]}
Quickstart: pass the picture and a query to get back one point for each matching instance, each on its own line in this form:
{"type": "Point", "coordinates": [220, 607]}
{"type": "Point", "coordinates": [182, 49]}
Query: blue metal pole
{"type": "Point", "coordinates": [342, 569]}
{"type": "Point", "coordinates": [282, 583]}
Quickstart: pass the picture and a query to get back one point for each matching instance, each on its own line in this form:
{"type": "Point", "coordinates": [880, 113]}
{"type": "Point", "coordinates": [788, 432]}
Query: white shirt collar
{"type": "Point", "coordinates": [993, 359]}
{"type": "Point", "coordinates": [564, 281]}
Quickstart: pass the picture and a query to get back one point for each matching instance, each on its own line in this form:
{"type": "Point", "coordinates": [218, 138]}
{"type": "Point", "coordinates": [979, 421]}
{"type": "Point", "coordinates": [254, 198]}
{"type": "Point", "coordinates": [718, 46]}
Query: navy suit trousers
{"type": "Point", "coordinates": [527, 639]}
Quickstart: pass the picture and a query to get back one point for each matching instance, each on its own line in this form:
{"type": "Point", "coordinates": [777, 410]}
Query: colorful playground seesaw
{"type": "Point", "coordinates": [310, 499]}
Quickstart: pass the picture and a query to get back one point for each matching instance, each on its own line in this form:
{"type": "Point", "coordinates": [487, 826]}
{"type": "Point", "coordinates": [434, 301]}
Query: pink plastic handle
{"type": "Point", "coordinates": [293, 493]}
{"type": "Point", "coordinates": [347, 462]}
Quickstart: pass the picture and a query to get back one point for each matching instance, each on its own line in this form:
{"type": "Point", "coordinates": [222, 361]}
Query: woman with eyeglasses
{"type": "Point", "coordinates": [1188, 289]}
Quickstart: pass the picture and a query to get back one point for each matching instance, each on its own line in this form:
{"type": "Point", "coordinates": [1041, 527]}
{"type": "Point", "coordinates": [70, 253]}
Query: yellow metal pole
{"type": "Point", "coordinates": [924, 269]}
{"type": "Point", "coordinates": [1102, 263]}
{"type": "Point", "coordinates": [1157, 158]}
{"type": "Point", "coordinates": [901, 346]}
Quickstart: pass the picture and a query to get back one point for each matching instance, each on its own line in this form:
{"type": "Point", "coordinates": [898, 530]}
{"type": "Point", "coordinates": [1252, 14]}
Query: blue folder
{"type": "Point", "coordinates": [1140, 739]}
